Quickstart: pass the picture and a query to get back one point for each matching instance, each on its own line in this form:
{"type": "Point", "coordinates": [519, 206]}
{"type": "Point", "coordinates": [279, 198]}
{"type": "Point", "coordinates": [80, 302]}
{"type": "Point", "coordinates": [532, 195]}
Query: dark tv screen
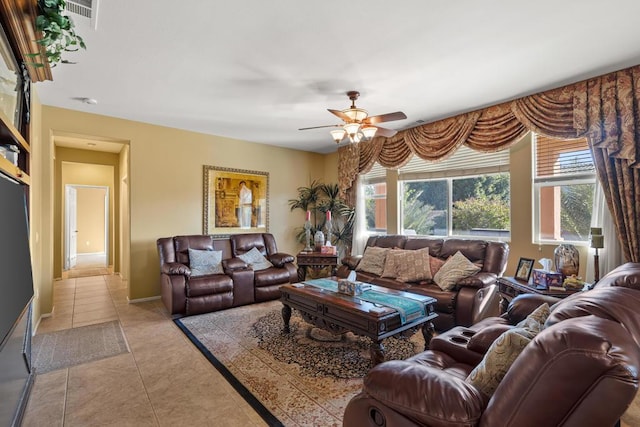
{"type": "Point", "coordinates": [16, 282]}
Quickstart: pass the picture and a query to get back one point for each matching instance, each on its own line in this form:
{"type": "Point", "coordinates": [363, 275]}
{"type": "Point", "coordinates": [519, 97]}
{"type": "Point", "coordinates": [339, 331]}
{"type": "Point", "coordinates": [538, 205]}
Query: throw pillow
{"type": "Point", "coordinates": [202, 263]}
{"type": "Point", "coordinates": [457, 267]}
{"type": "Point", "coordinates": [373, 260]}
{"type": "Point", "coordinates": [414, 266]}
{"type": "Point", "coordinates": [496, 362]}
{"type": "Point", "coordinates": [255, 260]}
{"type": "Point", "coordinates": [534, 322]}
{"type": "Point", "coordinates": [394, 258]}
{"type": "Point", "coordinates": [435, 264]}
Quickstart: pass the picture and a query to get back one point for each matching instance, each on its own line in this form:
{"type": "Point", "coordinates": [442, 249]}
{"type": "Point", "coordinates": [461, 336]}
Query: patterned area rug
{"type": "Point", "coordinates": [304, 378]}
{"type": "Point", "coordinates": [69, 347]}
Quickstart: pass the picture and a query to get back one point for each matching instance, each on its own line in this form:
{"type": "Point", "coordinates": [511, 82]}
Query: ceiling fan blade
{"type": "Point", "coordinates": [385, 132]}
{"type": "Point", "coordinates": [389, 117]}
{"type": "Point", "coordinates": [318, 127]}
{"type": "Point", "coordinates": [340, 114]}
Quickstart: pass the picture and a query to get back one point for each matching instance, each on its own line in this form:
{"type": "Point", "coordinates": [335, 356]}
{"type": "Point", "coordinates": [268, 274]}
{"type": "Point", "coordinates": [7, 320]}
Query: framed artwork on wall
{"type": "Point", "coordinates": [235, 201]}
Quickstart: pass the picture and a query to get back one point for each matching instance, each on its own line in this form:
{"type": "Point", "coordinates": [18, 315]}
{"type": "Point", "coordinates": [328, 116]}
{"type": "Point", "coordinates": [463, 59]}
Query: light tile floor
{"type": "Point", "coordinates": [163, 381]}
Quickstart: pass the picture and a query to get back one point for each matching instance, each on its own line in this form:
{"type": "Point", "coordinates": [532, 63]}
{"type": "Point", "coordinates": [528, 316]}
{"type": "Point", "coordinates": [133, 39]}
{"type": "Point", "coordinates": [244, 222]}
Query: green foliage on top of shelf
{"type": "Point", "coordinates": [59, 34]}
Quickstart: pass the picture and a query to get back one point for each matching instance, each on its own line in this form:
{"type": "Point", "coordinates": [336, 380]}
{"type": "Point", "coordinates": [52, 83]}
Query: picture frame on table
{"type": "Point", "coordinates": [525, 267]}
{"type": "Point", "coordinates": [236, 201]}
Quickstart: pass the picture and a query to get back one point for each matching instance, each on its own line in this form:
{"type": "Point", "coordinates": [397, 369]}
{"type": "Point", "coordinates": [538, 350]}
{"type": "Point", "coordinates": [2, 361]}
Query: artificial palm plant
{"type": "Point", "coordinates": [319, 198]}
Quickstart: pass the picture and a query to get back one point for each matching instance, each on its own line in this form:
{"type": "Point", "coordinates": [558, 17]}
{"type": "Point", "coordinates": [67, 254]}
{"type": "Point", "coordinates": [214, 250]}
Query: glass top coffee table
{"type": "Point", "coordinates": [339, 313]}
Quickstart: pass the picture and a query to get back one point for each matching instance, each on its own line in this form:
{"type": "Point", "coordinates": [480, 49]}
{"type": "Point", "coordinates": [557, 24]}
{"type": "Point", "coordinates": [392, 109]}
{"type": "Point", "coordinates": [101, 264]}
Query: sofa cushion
{"type": "Point", "coordinates": [205, 262]}
{"type": "Point", "coordinates": [413, 266]}
{"type": "Point", "coordinates": [255, 260]}
{"type": "Point", "coordinates": [497, 361]}
{"type": "Point", "coordinates": [209, 285]}
{"type": "Point", "coordinates": [270, 276]}
{"type": "Point", "coordinates": [457, 267]}
{"type": "Point", "coordinates": [373, 260]}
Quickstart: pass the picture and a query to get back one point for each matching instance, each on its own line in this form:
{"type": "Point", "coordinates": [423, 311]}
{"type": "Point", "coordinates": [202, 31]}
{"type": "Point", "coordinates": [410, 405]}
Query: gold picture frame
{"type": "Point", "coordinates": [235, 201]}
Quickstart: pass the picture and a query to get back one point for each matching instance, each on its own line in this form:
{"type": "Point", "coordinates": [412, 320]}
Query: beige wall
{"type": "Point", "coordinates": [125, 234]}
{"type": "Point", "coordinates": [165, 181]}
{"type": "Point", "coordinates": [91, 220]}
{"type": "Point", "coordinates": [85, 167]}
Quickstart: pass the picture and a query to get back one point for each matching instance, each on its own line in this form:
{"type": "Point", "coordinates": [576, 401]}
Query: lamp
{"type": "Point", "coordinates": [338, 135]}
{"type": "Point", "coordinates": [597, 242]}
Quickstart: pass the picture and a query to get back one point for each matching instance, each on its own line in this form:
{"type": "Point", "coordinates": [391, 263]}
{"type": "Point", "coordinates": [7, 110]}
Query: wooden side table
{"type": "Point", "coordinates": [317, 261]}
{"type": "Point", "coordinates": [510, 288]}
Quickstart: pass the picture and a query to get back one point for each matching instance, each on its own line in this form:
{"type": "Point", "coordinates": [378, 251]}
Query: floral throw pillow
{"type": "Point", "coordinates": [394, 258]}
{"type": "Point", "coordinates": [373, 260]}
{"type": "Point", "coordinates": [414, 266]}
{"type": "Point", "coordinates": [534, 322]}
{"type": "Point", "coordinates": [457, 267]}
{"type": "Point", "coordinates": [255, 260]}
{"type": "Point", "coordinates": [202, 263]}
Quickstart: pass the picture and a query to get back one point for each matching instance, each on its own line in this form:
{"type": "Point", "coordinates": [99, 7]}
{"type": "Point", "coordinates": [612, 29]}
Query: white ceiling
{"type": "Point", "coordinates": [258, 70]}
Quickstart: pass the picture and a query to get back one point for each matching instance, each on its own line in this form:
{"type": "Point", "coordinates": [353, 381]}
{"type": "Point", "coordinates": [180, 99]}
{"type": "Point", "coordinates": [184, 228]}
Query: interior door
{"type": "Point", "coordinates": [71, 229]}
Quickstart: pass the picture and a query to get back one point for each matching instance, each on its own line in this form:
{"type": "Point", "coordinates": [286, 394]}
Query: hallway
{"type": "Point", "coordinates": [164, 380]}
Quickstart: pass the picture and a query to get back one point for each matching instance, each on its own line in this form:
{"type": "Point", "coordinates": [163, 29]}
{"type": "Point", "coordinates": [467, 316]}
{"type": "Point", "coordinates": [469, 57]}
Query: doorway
{"type": "Point", "coordinates": [86, 231]}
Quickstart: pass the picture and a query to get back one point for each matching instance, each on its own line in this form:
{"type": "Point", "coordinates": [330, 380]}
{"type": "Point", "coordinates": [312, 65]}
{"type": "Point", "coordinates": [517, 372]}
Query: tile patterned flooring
{"type": "Point", "coordinates": [163, 381]}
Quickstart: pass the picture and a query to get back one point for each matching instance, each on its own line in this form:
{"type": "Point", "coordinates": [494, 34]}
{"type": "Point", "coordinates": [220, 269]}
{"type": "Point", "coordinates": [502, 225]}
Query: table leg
{"type": "Point", "coordinates": [302, 273]}
{"type": "Point", "coordinates": [377, 352]}
{"type": "Point", "coordinates": [428, 331]}
{"type": "Point", "coordinates": [286, 317]}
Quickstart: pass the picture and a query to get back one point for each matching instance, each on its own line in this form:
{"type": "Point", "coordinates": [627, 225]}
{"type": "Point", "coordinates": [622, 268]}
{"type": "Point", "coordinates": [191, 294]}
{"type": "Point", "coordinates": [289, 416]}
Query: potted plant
{"type": "Point", "coordinates": [319, 198]}
{"type": "Point", "coordinates": [58, 32]}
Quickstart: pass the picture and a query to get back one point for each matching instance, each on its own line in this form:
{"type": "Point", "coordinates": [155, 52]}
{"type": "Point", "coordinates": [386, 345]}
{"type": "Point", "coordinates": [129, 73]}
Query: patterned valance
{"type": "Point", "coordinates": [606, 109]}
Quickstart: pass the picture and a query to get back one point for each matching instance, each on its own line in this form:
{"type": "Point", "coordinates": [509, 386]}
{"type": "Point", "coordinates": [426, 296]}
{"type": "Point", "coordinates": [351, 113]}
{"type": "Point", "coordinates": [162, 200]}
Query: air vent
{"type": "Point", "coordinates": [83, 12]}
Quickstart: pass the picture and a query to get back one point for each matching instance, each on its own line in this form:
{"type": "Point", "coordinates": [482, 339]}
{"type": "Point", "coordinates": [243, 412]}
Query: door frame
{"type": "Point", "coordinates": [67, 231]}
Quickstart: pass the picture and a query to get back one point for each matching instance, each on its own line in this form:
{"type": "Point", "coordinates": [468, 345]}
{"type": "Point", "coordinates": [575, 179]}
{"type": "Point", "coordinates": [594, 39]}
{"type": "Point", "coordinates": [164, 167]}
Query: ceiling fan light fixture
{"type": "Point", "coordinates": [338, 135]}
{"type": "Point", "coordinates": [369, 132]}
{"type": "Point", "coordinates": [352, 129]}
{"type": "Point", "coordinates": [356, 114]}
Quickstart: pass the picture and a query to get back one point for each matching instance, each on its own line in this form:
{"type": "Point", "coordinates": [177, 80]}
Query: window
{"type": "Point", "coordinates": [375, 199]}
{"type": "Point", "coordinates": [467, 194]}
{"type": "Point", "coordinates": [564, 184]}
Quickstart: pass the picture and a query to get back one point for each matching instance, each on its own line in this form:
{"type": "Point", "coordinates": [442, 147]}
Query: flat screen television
{"type": "Point", "coordinates": [16, 281]}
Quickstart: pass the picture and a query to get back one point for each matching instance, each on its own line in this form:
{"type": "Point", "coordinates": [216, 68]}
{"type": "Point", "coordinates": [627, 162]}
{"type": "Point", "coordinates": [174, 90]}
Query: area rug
{"type": "Point", "coordinates": [70, 347]}
{"type": "Point", "coordinates": [305, 378]}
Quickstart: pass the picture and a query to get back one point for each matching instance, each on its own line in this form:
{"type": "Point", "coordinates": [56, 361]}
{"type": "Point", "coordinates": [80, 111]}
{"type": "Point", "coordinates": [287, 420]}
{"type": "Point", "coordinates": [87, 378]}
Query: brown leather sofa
{"type": "Point", "coordinates": [581, 370]}
{"type": "Point", "coordinates": [239, 285]}
{"type": "Point", "coordinates": [472, 299]}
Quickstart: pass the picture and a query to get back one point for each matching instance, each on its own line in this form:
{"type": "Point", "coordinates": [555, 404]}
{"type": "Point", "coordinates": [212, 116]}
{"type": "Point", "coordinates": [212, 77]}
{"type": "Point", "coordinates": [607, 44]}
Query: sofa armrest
{"type": "Point", "coordinates": [482, 339]}
{"type": "Point", "coordinates": [175, 268]}
{"type": "Point", "coordinates": [479, 280]}
{"type": "Point", "coordinates": [523, 305]}
{"type": "Point", "coordinates": [280, 259]}
{"type": "Point", "coordinates": [428, 395]}
{"type": "Point", "coordinates": [351, 261]}
{"type": "Point", "coordinates": [232, 264]}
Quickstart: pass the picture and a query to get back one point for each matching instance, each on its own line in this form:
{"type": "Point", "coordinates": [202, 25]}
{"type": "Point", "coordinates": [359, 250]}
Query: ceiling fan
{"type": "Point", "coordinates": [358, 125]}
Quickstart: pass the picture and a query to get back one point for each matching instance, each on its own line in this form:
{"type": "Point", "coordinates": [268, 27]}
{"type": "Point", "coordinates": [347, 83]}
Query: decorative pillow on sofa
{"type": "Point", "coordinates": [255, 260]}
{"type": "Point", "coordinates": [534, 322]}
{"type": "Point", "coordinates": [496, 362]}
{"type": "Point", "coordinates": [202, 263]}
{"type": "Point", "coordinates": [373, 260]}
{"type": "Point", "coordinates": [435, 264]}
{"type": "Point", "coordinates": [414, 266]}
{"type": "Point", "coordinates": [394, 258]}
{"type": "Point", "coordinates": [457, 267]}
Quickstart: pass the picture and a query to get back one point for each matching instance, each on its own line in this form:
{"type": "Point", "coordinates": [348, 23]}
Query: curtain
{"type": "Point", "coordinates": [605, 109]}
{"type": "Point", "coordinates": [360, 226]}
{"type": "Point", "coordinates": [611, 254]}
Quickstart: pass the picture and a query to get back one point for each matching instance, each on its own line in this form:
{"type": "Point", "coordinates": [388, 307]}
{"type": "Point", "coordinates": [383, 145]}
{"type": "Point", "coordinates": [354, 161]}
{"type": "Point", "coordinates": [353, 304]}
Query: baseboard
{"type": "Point", "coordinates": [42, 316]}
{"type": "Point", "coordinates": [137, 300]}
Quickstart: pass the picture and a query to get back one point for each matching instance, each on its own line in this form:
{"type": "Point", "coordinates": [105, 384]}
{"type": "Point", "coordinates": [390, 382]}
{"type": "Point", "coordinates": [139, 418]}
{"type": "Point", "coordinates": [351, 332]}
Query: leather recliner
{"type": "Point", "coordinates": [580, 370]}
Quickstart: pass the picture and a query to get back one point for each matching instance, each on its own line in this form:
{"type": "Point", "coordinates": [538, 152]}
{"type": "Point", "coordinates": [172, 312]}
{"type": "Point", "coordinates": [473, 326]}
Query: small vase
{"type": "Point", "coordinates": [318, 240]}
{"type": "Point", "coordinates": [567, 260]}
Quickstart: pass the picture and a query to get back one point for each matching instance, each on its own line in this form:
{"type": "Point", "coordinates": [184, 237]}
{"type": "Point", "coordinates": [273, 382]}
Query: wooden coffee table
{"type": "Point", "coordinates": [339, 313]}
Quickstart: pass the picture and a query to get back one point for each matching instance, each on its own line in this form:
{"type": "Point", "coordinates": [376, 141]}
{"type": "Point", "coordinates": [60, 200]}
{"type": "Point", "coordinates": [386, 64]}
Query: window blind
{"type": "Point", "coordinates": [559, 159]}
{"type": "Point", "coordinates": [464, 162]}
{"type": "Point", "coordinates": [375, 175]}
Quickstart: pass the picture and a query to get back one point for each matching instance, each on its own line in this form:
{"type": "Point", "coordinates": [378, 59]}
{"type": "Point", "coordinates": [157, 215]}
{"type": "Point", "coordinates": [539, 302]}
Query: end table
{"type": "Point", "coordinates": [317, 261]}
{"type": "Point", "coordinates": [510, 288]}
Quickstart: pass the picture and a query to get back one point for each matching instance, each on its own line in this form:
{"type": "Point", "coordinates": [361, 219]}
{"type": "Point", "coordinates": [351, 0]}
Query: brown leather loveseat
{"type": "Point", "coordinates": [580, 369]}
{"type": "Point", "coordinates": [473, 298]}
{"type": "Point", "coordinates": [235, 284]}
